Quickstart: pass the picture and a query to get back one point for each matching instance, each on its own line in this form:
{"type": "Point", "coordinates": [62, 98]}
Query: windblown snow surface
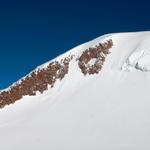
{"type": "Point", "coordinates": [106, 111]}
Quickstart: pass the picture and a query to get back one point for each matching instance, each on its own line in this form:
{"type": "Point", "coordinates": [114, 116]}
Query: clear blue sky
{"type": "Point", "coordinates": [33, 32]}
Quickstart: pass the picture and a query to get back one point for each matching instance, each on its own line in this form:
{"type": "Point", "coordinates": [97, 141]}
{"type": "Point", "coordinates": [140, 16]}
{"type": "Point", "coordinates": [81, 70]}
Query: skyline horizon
{"type": "Point", "coordinates": [34, 32]}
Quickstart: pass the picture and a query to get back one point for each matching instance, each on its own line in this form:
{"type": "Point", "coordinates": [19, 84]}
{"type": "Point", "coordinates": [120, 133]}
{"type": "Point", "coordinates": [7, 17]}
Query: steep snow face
{"type": "Point", "coordinates": [109, 110]}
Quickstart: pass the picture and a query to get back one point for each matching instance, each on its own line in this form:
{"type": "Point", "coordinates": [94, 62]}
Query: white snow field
{"type": "Point", "coordinates": [106, 111]}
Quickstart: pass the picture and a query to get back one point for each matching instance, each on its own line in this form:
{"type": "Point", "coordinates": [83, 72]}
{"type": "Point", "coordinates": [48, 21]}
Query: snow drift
{"type": "Point", "coordinates": [99, 100]}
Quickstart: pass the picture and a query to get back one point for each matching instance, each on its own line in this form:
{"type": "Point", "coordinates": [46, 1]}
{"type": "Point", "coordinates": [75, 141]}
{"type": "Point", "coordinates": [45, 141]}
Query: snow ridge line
{"type": "Point", "coordinates": [39, 80]}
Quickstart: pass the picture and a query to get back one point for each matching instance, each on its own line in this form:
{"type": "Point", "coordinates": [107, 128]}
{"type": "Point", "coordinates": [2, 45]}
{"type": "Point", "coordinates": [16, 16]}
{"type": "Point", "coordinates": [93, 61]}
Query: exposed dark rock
{"type": "Point", "coordinates": [36, 81]}
{"type": "Point", "coordinates": [40, 79]}
{"type": "Point", "coordinates": [97, 54]}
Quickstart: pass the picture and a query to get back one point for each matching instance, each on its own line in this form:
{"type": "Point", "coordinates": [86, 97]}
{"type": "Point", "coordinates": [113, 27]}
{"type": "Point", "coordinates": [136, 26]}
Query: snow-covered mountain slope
{"type": "Point", "coordinates": [109, 110]}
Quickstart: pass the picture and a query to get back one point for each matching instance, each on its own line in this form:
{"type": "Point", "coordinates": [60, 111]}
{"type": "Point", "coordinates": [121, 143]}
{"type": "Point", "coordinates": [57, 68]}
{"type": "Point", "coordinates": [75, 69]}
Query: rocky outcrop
{"type": "Point", "coordinates": [36, 81]}
{"type": "Point", "coordinates": [92, 59]}
{"type": "Point", "coordinates": [90, 62]}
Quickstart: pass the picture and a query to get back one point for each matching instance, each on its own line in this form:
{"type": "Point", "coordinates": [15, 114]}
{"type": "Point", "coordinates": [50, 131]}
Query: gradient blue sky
{"type": "Point", "coordinates": [33, 32]}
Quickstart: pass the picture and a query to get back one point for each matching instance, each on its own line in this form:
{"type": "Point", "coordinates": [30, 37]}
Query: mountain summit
{"type": "Point", "coordinates": [95, 96]}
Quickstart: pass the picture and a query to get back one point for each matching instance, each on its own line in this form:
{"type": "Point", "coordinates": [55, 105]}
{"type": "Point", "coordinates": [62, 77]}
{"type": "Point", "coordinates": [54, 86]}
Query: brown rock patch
{"type": "Point", "coordinates": [36, 81]}
{"type": "Point", "coordinates": [90, 62]}
{"type": "Point", "coordinates": [92, 59]}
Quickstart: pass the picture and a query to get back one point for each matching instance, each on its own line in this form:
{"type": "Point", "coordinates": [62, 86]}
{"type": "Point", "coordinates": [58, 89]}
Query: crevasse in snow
{"type": "Point", "coordinates": [140, 57]}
